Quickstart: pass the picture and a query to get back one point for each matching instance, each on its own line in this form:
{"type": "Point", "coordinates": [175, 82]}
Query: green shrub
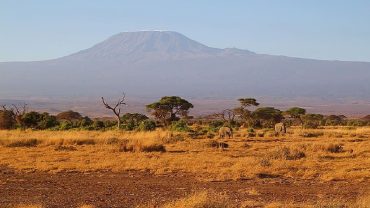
{"type": "Point", "coordinates": [98, 125]}
{"type": "Point", "coordinates": [215, 125]}
{"type": "Point", "coordinates": [47, 121]}
{"type": "Point", "coordinates": [180, 125]}
{"type": "Point", "coordinates": [65, 125]}
{"type": "Point", "coordinates": [251, 132]}
{"type": "Point", "coordinates": [147, 125]}
{"type": "Point", "coordinates": [85, 122]}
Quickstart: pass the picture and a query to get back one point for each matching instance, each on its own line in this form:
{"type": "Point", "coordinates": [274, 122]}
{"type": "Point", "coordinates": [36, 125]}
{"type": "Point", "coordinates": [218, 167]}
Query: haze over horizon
{"type": "Point", "coordinates": [330, 30]}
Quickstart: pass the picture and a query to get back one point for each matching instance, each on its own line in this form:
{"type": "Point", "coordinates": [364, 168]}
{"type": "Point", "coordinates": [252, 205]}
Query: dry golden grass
{"type": "Point", "coordinates": [29, 206]}
{"type": "Point", "coordinates": [339, 153]}
{"type": "Point", "coordinates": [40, 206]}
{"type": "Point", "coordinates": [202, 199]}
{"type": "Point", "coordinates": [211, 199]}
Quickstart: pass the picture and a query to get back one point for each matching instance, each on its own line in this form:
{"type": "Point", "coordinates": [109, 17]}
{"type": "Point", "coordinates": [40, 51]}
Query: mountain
{"type": "Point", "coordinates": [158, 63]}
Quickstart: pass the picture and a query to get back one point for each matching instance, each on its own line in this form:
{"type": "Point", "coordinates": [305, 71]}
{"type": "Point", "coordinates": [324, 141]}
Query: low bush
{"type": "Point", "coordinates": [65, 148]}
{"type": "Point", "coordinates": [171, 138]}
{"type": "Point", "coordinates": [210, 135]}
{"type": "Point", "coordinates": [251, 134]}
{"type": "Point", "coordinates": [84, 142]}
{"type": "Point", "coordinates": [216, 144]}
{"type": "Point", "coordinates": [98, 125]}
{"type": "Point", "coordinates": [23, 143]}
{"type": "Point", "coordinates": [286, 153]}
{"type": "Point", "coordinates": [334, 148]}
{"type": "Point", "coordinates": [311, 134]}
{"type": "Point", "coordinates": [180, 125]}
{"type": "Point", "coordinates": [152, 148]}
{"type": "Point", "coordinates": [215, 125]}
{"type": "Point", "coordinates": [112, 140]}
{"type": "Point", "coordinates": [261, 134]}
{"type": "Point", "coordinates": [147, 125]}
{"type": "Point", "coordinates": [138, 146]}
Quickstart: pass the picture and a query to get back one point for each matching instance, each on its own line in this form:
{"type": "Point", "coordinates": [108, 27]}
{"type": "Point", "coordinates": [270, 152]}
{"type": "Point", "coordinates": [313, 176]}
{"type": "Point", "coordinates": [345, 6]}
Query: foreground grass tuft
{"type": "Point", "coordinates": [23, 143]}
{"type": "Point", "coordinates": [202, 199]}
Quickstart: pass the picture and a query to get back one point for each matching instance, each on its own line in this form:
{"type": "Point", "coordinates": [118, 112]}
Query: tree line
{"type": "Point", "coordinates": [171, 112]}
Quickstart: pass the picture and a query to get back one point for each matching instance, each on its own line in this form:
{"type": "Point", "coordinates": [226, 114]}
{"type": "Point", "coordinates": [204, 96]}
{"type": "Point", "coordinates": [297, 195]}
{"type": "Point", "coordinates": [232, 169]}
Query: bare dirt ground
{"type": "Point", "coordinates": [131, 188]}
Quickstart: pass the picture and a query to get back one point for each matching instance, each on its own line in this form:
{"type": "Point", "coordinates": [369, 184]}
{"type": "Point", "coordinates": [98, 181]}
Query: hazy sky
{"type": "Point", "coordinates": [322, 29]}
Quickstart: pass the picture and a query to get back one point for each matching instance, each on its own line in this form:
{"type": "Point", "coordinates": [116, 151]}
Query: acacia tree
{"type": "Point", "coordinates": [267, 116]}
{"type": "Point", "coordinates": [170, 108]}
{"type": "Point", "coordinates": [116, 109]}
{"type": "Point", "coordinates": [296, 113]}
{"type": "Point", "coordinates": [243, 112]}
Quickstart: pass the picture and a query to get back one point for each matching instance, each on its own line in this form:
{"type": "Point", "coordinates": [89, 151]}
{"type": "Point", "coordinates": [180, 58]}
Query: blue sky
{"type": "Point", "coordinates": [321, 29]}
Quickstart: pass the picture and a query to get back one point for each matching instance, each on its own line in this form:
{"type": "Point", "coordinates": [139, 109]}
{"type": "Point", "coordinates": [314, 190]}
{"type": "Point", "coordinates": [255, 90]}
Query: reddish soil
{"type": "Point", "coordinates": [129, 189]}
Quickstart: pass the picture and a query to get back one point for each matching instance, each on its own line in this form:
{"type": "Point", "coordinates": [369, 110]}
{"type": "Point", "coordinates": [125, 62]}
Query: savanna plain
{"type": "Point", "coordinates": [325, 167]}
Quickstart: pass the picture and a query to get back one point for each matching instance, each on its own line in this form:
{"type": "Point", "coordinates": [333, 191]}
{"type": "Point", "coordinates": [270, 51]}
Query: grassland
{"type": "Point", "coordinates": [322, 155]}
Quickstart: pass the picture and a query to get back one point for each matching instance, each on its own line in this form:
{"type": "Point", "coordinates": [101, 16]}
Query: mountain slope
{"type": "Point", "coordinates": [154, 63]}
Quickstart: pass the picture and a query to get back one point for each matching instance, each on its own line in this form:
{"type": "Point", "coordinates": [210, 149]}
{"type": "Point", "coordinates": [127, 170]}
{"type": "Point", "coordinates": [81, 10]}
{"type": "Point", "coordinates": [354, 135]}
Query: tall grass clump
{"type": "Point", "coordinates": [285, 153]}
{"type": "Point", "coordinates": [23, 143]}
{"type": "Point", "coordinates": [140, 146]}
{"type": "Point", "coordinates": [202, 199]}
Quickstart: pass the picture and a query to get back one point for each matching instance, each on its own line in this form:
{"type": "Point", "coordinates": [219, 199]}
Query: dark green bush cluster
{"type": "Point", "coordinates": [132, 121]}
{"type": "Point", "coordinates": [215, 125]}
{"type": "Point", "coordinates": [37, 120]}
{"type": "Point", "coordinates": [147, 125]}
{"type": "Point", "coordinates": [180, 125]}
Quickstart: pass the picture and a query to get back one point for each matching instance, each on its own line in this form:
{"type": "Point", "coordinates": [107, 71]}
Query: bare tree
{"type": "Point", "coordinates": [227, 115]}
{"type": "Point", "coordinates": [116, 108]}
{"type": "Point", "coordinates": [16, 113]}
{"type": "Point", "coordinates": [19, 113]}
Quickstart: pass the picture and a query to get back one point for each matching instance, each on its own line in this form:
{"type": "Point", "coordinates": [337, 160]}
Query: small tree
{"type": "Point", "coordinates": [228, 116]}
{"type": "Point", "coordinates": [247, 102]}
{"type": "Point", "coordinates": [116, 109]}
{"type": "Point", "coordinates": [243, 112]}
{"type": "Point", "coordinates": [267, 116]}
{"type": "Point", "coordinates": [312, 120]}
{"type": "Point", "coordinates": [296, 113]}
{"type": "Point", "coordinates": [170, 108]}
{"type": "Point", "coordinates": [334, 120]}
